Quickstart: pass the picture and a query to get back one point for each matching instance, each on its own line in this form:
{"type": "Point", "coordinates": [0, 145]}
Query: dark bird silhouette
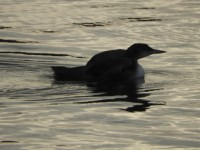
{"type": "Point", "coordinates": [111, 66]}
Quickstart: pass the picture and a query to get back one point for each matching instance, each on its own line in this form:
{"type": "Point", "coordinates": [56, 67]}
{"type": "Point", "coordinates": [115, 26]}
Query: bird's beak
{"type": "Point", "coordinates": [156, 51]}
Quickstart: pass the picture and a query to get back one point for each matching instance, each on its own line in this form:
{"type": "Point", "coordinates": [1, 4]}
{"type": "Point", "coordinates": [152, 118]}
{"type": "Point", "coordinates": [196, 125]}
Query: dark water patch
{"type": "Point", "coordinates": [4, 27]}
{"type": "Point", "coordinates": [41, 54]}
{"type": "Point", "coordinates": [143, 106]}
{"type": "Point", "coordinates": [15, 41]}
{"type": "Point", "coordinates": [150, 90]}
{"type": "Point", "coordinates": [92, 24]}
{"type": "Point", "coordinates": [17, 113]}
{"type": "Point", "coordinates": [49, 31]}
{"type": "Point", "coordinates": [146, 8]}
{"type": "Point", "coordinates": [104, 6]}
{"type": "Point", "coordinates": [61, 145]}
{"type": "Point", "coordinates": [140, 105]}
{"type": "Point", "coordinates": [141, 19]}
{"type": "Point", "coordinates": [13, 64]}
{"type": "Point", "coordinates": [9, 141]}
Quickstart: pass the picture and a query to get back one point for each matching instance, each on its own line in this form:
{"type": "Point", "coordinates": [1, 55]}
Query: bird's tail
{"type": "Point", "coordinates": [65, 73]}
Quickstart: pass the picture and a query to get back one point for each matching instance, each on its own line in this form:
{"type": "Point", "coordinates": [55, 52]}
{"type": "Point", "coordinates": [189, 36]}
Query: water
{"type": "Point", "coordinates": [38, 113]}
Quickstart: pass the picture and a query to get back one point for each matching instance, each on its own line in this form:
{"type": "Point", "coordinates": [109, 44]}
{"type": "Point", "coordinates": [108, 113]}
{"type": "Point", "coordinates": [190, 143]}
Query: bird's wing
{"type": "Point", "coordinates": [118, 68]}
{"type": "Point", "coordinates": [105, 61]}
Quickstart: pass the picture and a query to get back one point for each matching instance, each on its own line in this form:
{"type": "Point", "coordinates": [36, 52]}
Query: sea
{"type": "Point", "coordinates": [38, 112]}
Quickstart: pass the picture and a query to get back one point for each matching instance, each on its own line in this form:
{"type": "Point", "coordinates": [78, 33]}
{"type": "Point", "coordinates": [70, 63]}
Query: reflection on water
{"type": "Point", "coordinates": [143, 19]}
{"type": "Point", "coordinates": [41, 54]}
{"type": "Point", "coordinates": [91, 24]}
{"type": "Point", "coordinates": [4, 27]}
{"type": "Point", "coordinates": [39, 113]}
{"type": "Point", "coordinates": [16, 41]}
{"type": "Point", "coordinates": [129, 90]}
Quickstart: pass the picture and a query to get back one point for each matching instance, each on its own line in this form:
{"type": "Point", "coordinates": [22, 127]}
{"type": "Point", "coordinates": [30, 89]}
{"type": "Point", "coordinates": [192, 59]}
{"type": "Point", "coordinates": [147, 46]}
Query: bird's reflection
{"type": "Point", "coordinates": [131, 90]}
{"type": "Point", "coordinates": [133, 94]}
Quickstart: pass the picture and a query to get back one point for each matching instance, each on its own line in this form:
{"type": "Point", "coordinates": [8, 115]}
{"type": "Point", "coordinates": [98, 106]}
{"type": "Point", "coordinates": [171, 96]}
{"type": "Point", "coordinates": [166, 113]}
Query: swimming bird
{"type": "Point", "coordinates": [109, 66]}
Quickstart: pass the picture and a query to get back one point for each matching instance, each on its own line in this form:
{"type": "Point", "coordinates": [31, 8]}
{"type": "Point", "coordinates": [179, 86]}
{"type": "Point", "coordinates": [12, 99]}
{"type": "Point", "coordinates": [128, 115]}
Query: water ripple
{"type": "Point", "coordinates": [39, 113]}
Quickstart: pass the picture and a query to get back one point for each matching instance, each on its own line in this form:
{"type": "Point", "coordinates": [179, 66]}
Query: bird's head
{"type": "Point", "coordinates": [140, 50]}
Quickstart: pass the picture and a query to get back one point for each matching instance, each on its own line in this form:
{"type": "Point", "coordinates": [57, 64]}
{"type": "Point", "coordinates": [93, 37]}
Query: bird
{"type": "Point", "coordinates": [112, 66]}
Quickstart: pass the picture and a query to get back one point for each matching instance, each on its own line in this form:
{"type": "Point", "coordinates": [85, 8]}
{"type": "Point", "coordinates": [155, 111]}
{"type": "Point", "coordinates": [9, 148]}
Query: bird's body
{"type": "Point", "coordinates": [109, 66]}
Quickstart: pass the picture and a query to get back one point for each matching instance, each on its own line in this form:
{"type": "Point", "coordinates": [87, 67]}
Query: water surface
{"type": "Point", "coordinates": [39, 113]}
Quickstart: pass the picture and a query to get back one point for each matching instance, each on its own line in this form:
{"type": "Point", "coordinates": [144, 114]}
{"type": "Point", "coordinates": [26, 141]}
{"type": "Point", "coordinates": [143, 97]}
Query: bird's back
{"type": "Point", "coordinates": [107, 55]}
{"type": "Point", "coordinates": [104, 61]}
